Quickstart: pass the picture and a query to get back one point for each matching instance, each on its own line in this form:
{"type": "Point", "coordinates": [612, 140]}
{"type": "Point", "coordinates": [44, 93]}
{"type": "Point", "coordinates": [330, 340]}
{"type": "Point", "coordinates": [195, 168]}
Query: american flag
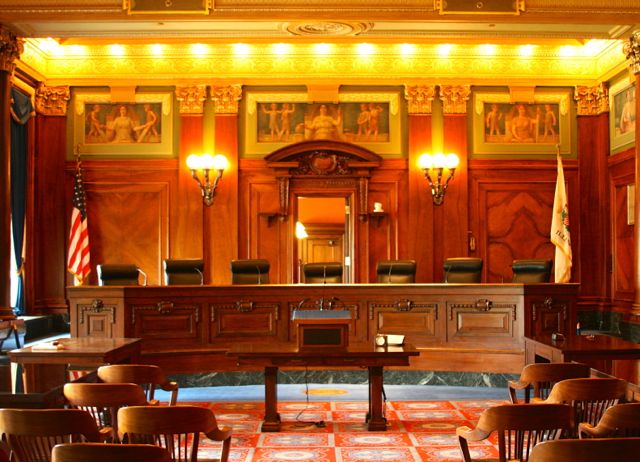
{"type": "Point", "coordinates": [78, 263]}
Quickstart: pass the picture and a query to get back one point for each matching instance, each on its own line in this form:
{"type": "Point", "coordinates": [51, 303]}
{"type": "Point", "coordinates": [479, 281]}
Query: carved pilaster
{"type": "Point", "coordinates": [420, 98]}
{"type": "Point", "coordinates": [10, 49]}
{"type": "Point", "coordinates": [226, 98]}
{"type": "Point", "coordinates": [631, 50]}
{"type": "Point", "coordinates": [52, 101]}
{"type": "Point", "coordinates": [191, 99]}
{"type": "Point", "coordinates": [592, 100]}
{"type": "Point", "coordinates": [454, 98]}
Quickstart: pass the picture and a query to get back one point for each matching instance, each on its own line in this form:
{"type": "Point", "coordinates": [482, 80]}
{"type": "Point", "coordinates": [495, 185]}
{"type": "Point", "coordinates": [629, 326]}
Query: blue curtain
{"type": "Point", "coordinates": [21, 111]}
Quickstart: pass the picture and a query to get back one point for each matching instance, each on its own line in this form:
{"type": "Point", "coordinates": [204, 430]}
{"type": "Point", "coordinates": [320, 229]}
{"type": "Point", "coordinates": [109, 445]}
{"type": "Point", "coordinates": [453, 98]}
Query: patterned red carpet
{"type": "Point", "coordinates": [417, 431]}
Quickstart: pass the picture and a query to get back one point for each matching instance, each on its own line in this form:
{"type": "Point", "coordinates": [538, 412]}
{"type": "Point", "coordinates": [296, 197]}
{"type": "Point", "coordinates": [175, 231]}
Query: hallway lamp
{"type": "Point", "coordinates": [206, 163]}
{"type": "Point", "coordinates": [435, 166]}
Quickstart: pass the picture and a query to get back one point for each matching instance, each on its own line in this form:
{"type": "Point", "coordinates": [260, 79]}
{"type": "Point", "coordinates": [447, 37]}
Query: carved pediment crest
{"type": "Point", "coordinates": [322, 163]}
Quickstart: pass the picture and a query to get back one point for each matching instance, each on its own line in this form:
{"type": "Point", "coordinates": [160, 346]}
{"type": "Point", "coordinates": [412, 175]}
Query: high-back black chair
{"type": "Point", "coordinates": [188, 271]}
{"type": "Point", "coordinates": [396, 271]}
{"type": "Point", "coordinates": [118, 274]}
{"type": "Point", "coordinates": [319, 273]}
{"type": "Point", "coordinates": [250, 271]}
{"type": "Point", "coordinates": [531, 271]}
{"type": "Point", "coordinates": [463, 270]}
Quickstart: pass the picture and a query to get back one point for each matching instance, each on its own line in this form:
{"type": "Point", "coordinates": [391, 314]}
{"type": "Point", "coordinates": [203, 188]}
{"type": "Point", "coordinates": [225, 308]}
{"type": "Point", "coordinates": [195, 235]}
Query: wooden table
{"type": "Point", "coordinates": [373, 358]}
{"type": "Point", "coordinates": [46, 369]}
{"type": "Point", "coordinates": [598, 351]}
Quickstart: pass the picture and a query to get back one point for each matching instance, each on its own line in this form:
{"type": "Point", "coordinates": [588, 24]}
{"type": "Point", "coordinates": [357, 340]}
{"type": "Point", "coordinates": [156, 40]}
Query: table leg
{"type": "Point", "coordinates": [375, 417]}
{"type": "Point", "coordinates": [271, 421]}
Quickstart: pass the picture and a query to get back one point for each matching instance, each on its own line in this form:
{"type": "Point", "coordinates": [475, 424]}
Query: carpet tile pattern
{"type": "Point", "coordinates": [418, 431]}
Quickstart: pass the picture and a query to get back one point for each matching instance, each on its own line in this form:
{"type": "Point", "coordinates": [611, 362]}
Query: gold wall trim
{"type": "Point", "coordinates": [454, 98]}
{"type": "Point", "coordinates": [52, 101]}
{"type": "Point", "coordinates": [420, 98]}
{"type": "Point", "coordinates": [191, 99]}
{"type": "Point", "coordinates": [226, 98]}
{"type": "Point", "coordinates": [592, 100]}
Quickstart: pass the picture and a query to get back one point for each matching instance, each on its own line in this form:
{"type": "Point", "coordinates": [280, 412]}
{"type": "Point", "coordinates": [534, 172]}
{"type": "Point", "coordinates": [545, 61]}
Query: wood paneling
{"type": "Point", "coordinates": [621, 174]}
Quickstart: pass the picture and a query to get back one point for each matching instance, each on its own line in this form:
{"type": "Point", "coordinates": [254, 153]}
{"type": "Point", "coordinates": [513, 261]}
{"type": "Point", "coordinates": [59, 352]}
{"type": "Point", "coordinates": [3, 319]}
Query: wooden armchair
{"type": "Point", "coordinates": [588, 397]}
{"type": "Point", "coordinates": [621, 420]}
{"type": "Point", "coordinates": [102, 401]}
{"type": "Point", "coordinates": [594, 450]}
{"type": "Point", "coordinates": [519, 427]}
{"type": "Point", "coordinates": [541, 377]}
{"type": "Point", "coordinates": [145, 375]}
{"type": "Point", "coordinates": [32, 433]}
{"type": "Point", "coordinates": [176, 428]}
{"type": "Point", "coordinates": [109, 452]}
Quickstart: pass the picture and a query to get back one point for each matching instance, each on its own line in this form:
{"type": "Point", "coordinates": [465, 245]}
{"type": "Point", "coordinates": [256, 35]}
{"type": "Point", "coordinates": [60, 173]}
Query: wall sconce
{"type": "Point", "coordinates": [438, 162]}
{"type": "Point", "coordinates": [207, 162]}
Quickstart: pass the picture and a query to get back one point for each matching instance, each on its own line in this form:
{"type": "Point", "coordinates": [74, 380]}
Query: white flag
{"type": "Point", "coordinates": [560, 235]}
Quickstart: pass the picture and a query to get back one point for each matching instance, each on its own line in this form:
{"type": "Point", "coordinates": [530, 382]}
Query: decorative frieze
{"type": "Point", "coordinates": [11, 47]}
{"type": "Point", "coordinates": [592, 100]}
{"type": "Point", "coordinates": [191, 99]}
{"type": "Point", "coordinates": [226, 98]}
{"type": "Point", "coordinates": [631, 50]}
{"type": "Point", "coordinates": [454, 98]}
{"type": "Point", "coordinates": [52, 101]}
{"type": "Point", "coordinates": [420, 98]}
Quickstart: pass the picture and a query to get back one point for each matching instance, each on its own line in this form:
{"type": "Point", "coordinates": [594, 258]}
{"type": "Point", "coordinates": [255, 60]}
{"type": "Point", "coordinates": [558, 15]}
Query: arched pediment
{"type": "Point", "coordinates": [297, 151]}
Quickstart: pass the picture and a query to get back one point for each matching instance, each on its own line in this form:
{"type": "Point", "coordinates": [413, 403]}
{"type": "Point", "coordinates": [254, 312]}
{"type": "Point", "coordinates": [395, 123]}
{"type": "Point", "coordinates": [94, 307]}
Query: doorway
{"type": "Point", "coordinates": [323, 232]}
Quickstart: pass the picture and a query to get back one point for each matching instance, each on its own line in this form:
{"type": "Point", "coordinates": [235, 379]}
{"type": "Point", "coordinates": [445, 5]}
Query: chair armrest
{"type": "Point", "coordinates": [586, 430]}
{"type": "Point", "coordinates": [219, 434]}
{"type": "Point", "coordinates": [471, 435]}
{"type": "Point", "coordinates": [518, 384]}
{"type": "Point", "coordinates": [173, 388]}
{"type": "Point", "coordinates": [513, 385]}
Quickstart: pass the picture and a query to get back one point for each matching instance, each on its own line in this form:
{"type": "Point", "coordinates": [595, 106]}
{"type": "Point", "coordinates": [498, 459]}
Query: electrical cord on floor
{"type": "Point", "coordinates": [303, 423]}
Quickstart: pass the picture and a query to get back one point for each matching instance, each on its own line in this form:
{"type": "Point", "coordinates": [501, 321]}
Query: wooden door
{"type": "Point", "coordinates": [324, 244]}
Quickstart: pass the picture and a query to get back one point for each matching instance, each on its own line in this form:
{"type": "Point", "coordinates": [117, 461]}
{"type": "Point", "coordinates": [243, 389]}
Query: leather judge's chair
{"type": "Point", "coordinates": [531, 271]}
{"type": "Point", "coordinates": [319, 273]}
{"type": "Point", "coordinates": [396, 271]}
{"type": "Point", "coordinates": [189, 271]}
{"type": "Point", "coordinates": [118, 275]}
{"type": "Point", "coordinates": [463, 270]}
{"type": "Point", "coordinates": [250, 271]}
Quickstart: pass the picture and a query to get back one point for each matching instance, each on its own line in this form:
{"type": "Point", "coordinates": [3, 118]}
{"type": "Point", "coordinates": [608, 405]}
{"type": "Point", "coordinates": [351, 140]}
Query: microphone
{"type": "Point", "coordinates": [389, 275]}
{"type": "Point", "coordinates": [324, 274]}
{"type": "Point", "coordinates": [201, 275]}
{"type": "Point", "coordinates": [144, 282]}
{"type": "Point", "coordinates": [259, 274]}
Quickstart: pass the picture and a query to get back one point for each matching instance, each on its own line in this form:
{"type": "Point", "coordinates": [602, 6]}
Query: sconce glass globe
{"type": "Point", "coordinates": [220, 162]}
{"type": "Point", "coordinates": [193, 162]}
{"type": "Point", "coordinates": [439, 160]}
{"type": "Point", "coordinates": [425, 161]}
{"type": "Point", "coordinates": [452, 161]}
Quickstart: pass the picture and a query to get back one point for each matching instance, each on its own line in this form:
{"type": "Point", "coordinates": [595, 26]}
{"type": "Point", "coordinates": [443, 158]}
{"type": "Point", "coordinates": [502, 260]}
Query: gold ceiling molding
{"type": "Point", "coordinates": [168, 7]}
{"type": "Point", "coordinates": [486, 7]}
{"type": "Point", "coordinates": [592, 100]}
{"type": "Point", "coordinates": [226, 98]}
{"type": "Point", "coordinates": [191, 99]}
{"type": "Point", "coordinates": [632, 52]}
{"type": "Point", "coordinates": [454, 98]}
{"type": "Point", "coordinates": [11, 47]}
{"type": "Point", "coordinates": [52, 101]}
{"type": "Point", "coordinates": [420, 98]}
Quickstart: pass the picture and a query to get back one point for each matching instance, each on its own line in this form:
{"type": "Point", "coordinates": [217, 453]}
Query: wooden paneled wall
{"type": "Point", "coordinates": [146, 210]}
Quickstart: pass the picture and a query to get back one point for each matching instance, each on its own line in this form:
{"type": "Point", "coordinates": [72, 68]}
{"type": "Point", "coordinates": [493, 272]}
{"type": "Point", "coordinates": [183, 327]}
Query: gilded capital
{"type": "Point", "coordinates": [191, 99]}
{"type": "Point", "coordinates": [420, 98]}
{"type": "Point", "coordinates": [592, 100]}
{"type": "Point", "coordinates": [454, 98]}
{"type": "Point", "coordinates": [10, 49]}
{"type": "Point", "coordinates": [631, 50]}
{"type": "Point", "coordinates": [226, 98]}
{"type": "Point", "coordinates": [52, 101]}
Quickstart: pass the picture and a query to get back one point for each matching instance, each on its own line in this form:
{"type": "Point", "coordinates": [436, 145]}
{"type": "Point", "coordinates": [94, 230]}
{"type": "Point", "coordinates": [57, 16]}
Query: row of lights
{"type": "Point", "coordinates": [320, 49]}
{"type": "Point", "coordinates": [438, 169]}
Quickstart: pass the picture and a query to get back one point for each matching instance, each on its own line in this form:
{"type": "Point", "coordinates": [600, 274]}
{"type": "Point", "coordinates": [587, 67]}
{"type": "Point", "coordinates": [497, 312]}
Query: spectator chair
{"type": "Point", "coordinates": [147, 376]}
{"type": "Point", "coordinates": [463, 270]}
{"type": "Point", "coordinates": [31, 434]}
{"type": "Point", "coordinates": [250, 271]}
{"type": "Point", "coordinates": [595, 450]}
{"type": "Point", "coordinates": [531, 271]}
{"type": "Point", "coordinates": [188, 271]}
{"type": "Point", "coordinates": [519, 428]}
{"type": "Point", "coordinates": [396, 271]}
{"type": "Point", "coordinates": [176, 428]}
{"type": "Point", "coordinates": [109, 452]}
{"type": "Point", "coordinates": [621, 420]}
{"type": "Point", "coordinates": [541, 377]}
